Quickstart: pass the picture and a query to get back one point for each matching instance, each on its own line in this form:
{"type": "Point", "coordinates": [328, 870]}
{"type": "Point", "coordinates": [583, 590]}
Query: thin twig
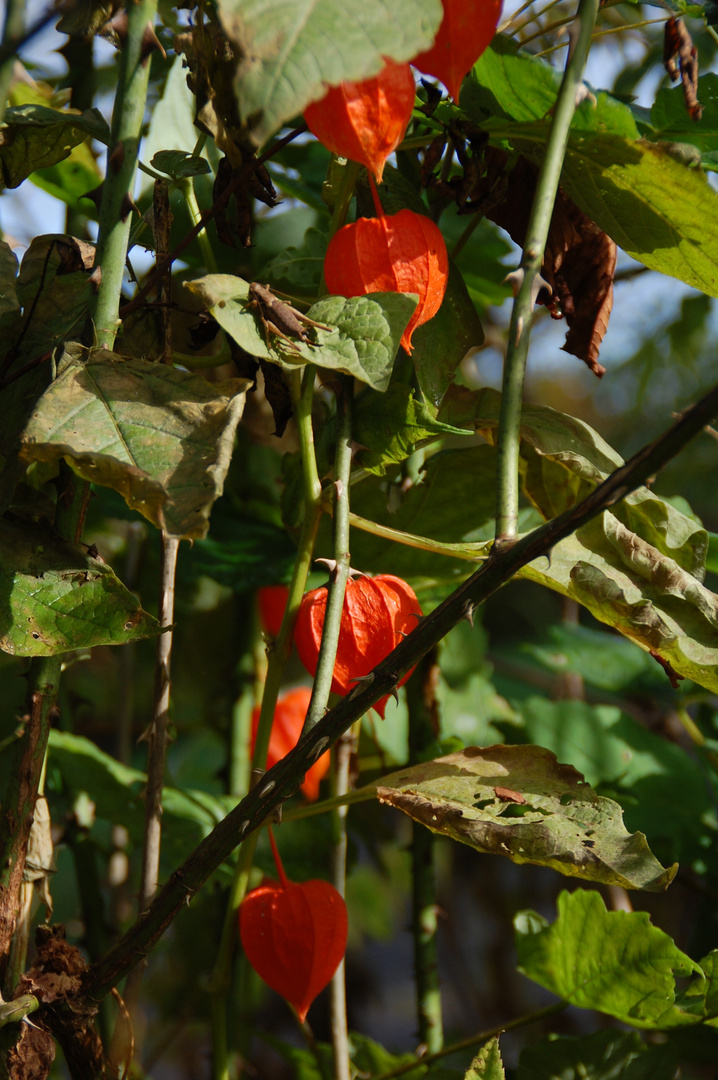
{"type": "Point", "coordinates": [207, 215]}
{"type": "Point", "coordinates": [280, 781]}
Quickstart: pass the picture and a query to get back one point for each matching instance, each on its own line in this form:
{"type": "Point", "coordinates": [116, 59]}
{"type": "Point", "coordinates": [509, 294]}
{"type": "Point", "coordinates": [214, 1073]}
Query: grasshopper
{"type": "Point", "coordinates": [279, 318]}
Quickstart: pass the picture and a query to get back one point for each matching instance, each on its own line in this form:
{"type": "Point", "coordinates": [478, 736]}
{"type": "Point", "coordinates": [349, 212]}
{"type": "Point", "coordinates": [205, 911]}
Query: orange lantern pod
{"type": "Point", "coordinates": [378, 612]}
{"type": "Point", "coordinates": [294, 935]}
{"type": "Point", "coordinates": [287, 726]}
{"type": "Point", "coordinates": [365, 121]}
{"type": "Point", "coordinates": [466, 30]}
{"type": "Point", "coordinates": [402, 252]}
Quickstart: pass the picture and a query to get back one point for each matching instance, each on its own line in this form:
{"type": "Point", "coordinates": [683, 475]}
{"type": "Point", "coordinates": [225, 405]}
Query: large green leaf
{"type": "Point", "coordinates": [117, 792]}
{"type": "Point", "coordinates": [362, 338]}
{"type": "Point", "coordinates": [612, 749]}
{"type": "Point", "coordinates": [161, 437]}
{"type": "Point", "coordinates": [519, 801]}
{"type": "Point", "coordinates": [299, 268]}
{"type": "Point", "coordinates": [286, 59]}
{"type": "Point", "coordinates": [659, 210]}
{"type": "Point", "coordinates": [615, 962]}
{"type": "Point", "coordinates": [507, 84]}
{"type": "Point", "coordinates": [54, 598]}
{"type": "Point", "coordinates": [34, 137]}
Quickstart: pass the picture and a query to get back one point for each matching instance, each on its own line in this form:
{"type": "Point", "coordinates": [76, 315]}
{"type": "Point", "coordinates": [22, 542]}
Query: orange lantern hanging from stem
{"type": "Point", "coordinates": [365, 121]}
{"type": "Point", "coordinates": [294, 935]}
{"type": "Point", "coordinates": [402, 252]}
{"type": "Point", "coordinates": [378, 612]}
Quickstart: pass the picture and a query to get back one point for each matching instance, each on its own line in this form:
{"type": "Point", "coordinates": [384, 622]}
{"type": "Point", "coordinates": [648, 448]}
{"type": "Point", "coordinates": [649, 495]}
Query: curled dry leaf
{"type": "Point", "coordinates": [579, 262]}
{"type": "Point", "coordinates": [680, 59]}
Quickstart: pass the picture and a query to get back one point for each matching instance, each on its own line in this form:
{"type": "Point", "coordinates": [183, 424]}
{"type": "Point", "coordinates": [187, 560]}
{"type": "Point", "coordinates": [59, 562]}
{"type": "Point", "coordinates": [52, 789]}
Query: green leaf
{"type": "Point", "coordinates": [160, 436]}
{"type": "Point", "coordinates": [615, 962]}
{"type": "Point", "coordinates": [388, 427]}
{"type": "Point", "coordinates": [362, 339]}
{"type": "Point", "coordinates": [34, 136]}
{"type": "Point", "coordinates": [508, 84]}
{"type": "Point", "coordinates": [519, 801]}
{"type": "Point", "coordinates": [369, 332]}
{"type": "Point", "coordinates": [442, 343]}
{"type": "Point", "coordinates": [487, 1065]}
{"type": "Point", "coordinates": [604, 1055]}
{"type": "Point", "coordinates": [286, 62]}
{"type": "Point", "coordinates": [610, 748]}
{"type": "Point", "coordinates": [179, 164]}
{"type": "Point", "coordinates": [54, 598]}
{"type": "Point", "coordinates": [118, 794]}
{"type": "Point", "coordinates": [659, 210]}
{"type": "Point", "coordinates": [672, 122]}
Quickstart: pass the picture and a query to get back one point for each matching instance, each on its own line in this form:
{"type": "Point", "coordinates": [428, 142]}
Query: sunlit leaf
{"type": "Point", "coordinates": [161, 437]}
{"type": "Point", "coordinates": [612, 961]}
{"type": "Point", "coordinates": [519, 801]}
{"type": "Point", "coordinates": [54, 598]}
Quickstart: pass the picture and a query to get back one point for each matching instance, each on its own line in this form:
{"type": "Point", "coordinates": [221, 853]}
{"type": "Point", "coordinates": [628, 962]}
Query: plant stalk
{"type": "Point", "coordinates": [423, 732]}
{"type": "Point", "coordinates": [280, 781]}
{"type": "Point", "coordinates": [507, 493]}
{"type": "Point", "coordinates": [302, 387]}
{"type": "Point", "coordinates": [116, 207]}
{"type": "Point", "coordinates": [340, 571]}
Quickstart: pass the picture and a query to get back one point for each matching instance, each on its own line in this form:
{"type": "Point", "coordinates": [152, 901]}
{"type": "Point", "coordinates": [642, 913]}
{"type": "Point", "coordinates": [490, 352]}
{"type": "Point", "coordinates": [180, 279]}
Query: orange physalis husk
{"type": "Point", "coordinates": [287, 725]}
{"type": "Point", "coordinates": [365, 121]}
{"type": "Point", "coordinates": [466, 30]}
{"type": "Point", "coordinates": [294, 935]}
{"type": "Point", "coordinates": [272, 600]}
{"type": "Point", "coordinates": [402, 252]}
{"type": "Point", "coordinates": [377, 613]}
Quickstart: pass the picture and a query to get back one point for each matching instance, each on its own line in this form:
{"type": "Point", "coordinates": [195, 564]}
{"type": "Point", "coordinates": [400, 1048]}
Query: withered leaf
{"type": "Point", "coordinates": [680, 59]}
{"type": "Point", "coordinates": [579, 261]}
{"type": "Point", "coordinates": [507, 795]}
{"type": "Point", "coordinates": [32, 1055]}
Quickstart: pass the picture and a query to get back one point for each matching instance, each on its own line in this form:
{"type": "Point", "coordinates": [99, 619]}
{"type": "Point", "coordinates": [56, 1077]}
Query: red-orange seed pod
{"type": "Point", "coordinates": [287, 725]}
{"type": "Point", "coordinates": [365, 121]}
{"type": "Point", "coordinates": [294, 935]}
{"type": "Point", "coordinates": [402, 252]}
{"type": "Point", "coordinates": [466, 30]}
{"type": "Point", "coordinates": [377, 613]}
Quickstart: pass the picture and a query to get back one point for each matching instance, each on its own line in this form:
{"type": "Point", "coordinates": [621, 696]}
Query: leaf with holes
{"type": "Point", "coordinates": [54, 598]}
{"type": "Point", "coordinates": [161, 437]}
{"type": "Point", "coordinates": [561, 822]}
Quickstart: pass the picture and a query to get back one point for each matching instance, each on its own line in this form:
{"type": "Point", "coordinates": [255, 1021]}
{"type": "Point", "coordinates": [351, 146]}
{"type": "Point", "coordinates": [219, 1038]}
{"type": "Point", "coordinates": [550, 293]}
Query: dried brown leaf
{"type": "Point", "coordinates": [579, 261]}
{"type": "Point", "coordinates": [680, 59]}
{"type": "Point", "coordinates": [32, 1055]}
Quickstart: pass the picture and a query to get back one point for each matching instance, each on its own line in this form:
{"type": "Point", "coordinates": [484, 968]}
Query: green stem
{"type": "Point", "coordinates": [341, 761]}
{"type": "Point", "coordinates": [283, 779]}
{"type": "Point", "coordinates": [115, 215]}
{"type": "Point", "coordinates": [340, 571]}
{"type": "Point", "coordinates": [302, 387]}
{"type": "Point", "coordinates": [190, 195]}
{"type": "Point", "coordinates": [423, 731]}
{"type": "Point", "coordinates": [536, 236]}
